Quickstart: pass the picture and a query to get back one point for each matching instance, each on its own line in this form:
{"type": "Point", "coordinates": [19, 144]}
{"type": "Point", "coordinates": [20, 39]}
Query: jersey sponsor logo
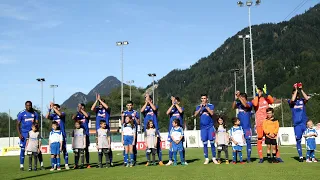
{"type": "Point", "coordinates": [58, 121]}
{"type": "Point", "coordinates": [101, 114]}
{"type": "Point", "coordinates": [29, 119]}
{"type": "Point", "coordinates": [298, 107]}
{"type": "Point", "coordinates": [205, 113]}
{"type": "Point", "coordinates": [176, 115]}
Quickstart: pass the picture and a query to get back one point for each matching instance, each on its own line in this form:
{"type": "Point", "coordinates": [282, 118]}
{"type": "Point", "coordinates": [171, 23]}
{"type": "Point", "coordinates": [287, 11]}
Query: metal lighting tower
{"type": "Point", "coordinates": [130, 84]}
{"type": "Point", "coordinates": [41, 80]}
{"type": "Point", "coordinates": [235, 71]}
{"type": "Point", "coordinates": [249, 3]}
{"type": "Point", "coordinates": [152, 75]}
{"type": "Point", "coordinates": [53, 87]}
{"type": "Point", "coordinates": [244, 37]}
{"type": "Point", "coordinates": [121, 44]}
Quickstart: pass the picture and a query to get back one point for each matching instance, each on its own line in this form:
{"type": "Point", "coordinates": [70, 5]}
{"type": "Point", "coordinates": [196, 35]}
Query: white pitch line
{"type": "Point", "coordinates": [296, 147]}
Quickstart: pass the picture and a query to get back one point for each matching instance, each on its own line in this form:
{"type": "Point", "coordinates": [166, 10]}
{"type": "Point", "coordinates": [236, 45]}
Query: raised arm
{"type": "Point", "coordinates": [93, 107]}
{"type": "Point", "coordinates": [84, 113]}
{"type": "Point", "coordinates": [294, 95]}
{"type": "Point", "coordinates": [59, 113]}
{"type": "Point", "coordinates": [210, 110]}
{"type": "Point", "coordinates": [198, 109]}
{"type": "Point", "coordinates": [305, 96]}
{"type": "Point", "coordinates": [144, 107]}
{"type": "Point", "coordinates": [169, 110]}
{"type": "Point", "coordinates": [244, 102]}
{"type": "Point", "coordinates": [179, 108]}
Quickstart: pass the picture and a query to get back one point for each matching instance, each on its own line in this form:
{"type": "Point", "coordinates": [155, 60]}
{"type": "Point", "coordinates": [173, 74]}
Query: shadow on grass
{"type": "Point", "coordinates": [41, 175]}
{"type": "Point", "coordinates": [296, 158]}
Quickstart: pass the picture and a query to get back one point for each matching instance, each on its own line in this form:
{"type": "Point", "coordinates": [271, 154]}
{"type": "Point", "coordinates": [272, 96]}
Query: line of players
{"type": "Point", "coordinates": [205, 110]}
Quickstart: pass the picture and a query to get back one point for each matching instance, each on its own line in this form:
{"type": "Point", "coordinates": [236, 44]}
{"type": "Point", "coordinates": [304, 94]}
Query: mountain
{"type": "Point", "coordinates": [284, 53]}
{"type": "Point", "coordinates": [104, 88]}
{"type": "Point", "coordinates": [73, 101]}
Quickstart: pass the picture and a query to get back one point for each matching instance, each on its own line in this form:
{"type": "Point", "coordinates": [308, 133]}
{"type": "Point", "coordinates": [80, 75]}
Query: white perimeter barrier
{"type": "Point", "coordinates": [192, 140]}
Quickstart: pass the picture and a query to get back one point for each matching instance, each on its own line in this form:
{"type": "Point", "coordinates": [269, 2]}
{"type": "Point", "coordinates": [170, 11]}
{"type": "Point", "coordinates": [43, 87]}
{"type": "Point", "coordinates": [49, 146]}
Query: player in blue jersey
{"type": "Point", "coordinates": [59, 117]}
{"type": "Point", "coordinates": [103, 112]}
{"type": "Point", "coordinates": [25, 120]}
{"type": "Point", "coordinates": [150, 112]}
{"type": "Point", "coordinates": [84, 117]}
{"type": "Point", "coordinates": [310, 134]}
{"type": "Point", "coordinates": [299, 115]}
{"type": "Point", "coordinates": [207, 131]}
{"type": "Point", "coordinates": [136, 120]}
{"type": "Point", "coordinates": [175, 111]}
{"type": "Point", "coordinates": [244, 108]}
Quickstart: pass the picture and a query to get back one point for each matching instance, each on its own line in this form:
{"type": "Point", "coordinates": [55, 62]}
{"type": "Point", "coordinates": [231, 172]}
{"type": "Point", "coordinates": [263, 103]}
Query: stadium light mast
{"type": "Point", "coordinates": [121, 44]}
{"type": "Point", "coordinates": [249, 3]}
{"type": "Point", "coordinates": [152, 75]}
{"type": "Point", "coordinates": [244, 37]}
{"type": "Point", "coordinates": [41, 80]}
{"type": "Point", "coordinates": [235, 71]}
{"type": "Point", "coordinates": [130, 84]}
{"type": "Point", "coordinates": [53, 95]}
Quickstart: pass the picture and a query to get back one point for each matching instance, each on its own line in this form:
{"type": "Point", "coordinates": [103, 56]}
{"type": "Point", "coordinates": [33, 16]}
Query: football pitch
{"type": "Point", "coordinates": [290, 169]}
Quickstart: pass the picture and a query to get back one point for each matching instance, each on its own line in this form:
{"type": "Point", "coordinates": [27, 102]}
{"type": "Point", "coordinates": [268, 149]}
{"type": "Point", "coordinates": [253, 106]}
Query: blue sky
{"type": "Point", "coordinates": [72, 43]}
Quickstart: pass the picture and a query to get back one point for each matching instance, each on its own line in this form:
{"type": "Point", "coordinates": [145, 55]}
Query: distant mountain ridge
{"type": "Point", "coordinates": [104, 88]}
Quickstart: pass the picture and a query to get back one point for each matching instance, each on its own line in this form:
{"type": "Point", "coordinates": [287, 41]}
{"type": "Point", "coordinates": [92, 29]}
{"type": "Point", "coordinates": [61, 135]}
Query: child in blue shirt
{"type": "Point", "coordinates": [177, 145]}
{"type": "Point", "coordinates": [238, 140]}
{"type": "Point", "coordinates": [310, 134]}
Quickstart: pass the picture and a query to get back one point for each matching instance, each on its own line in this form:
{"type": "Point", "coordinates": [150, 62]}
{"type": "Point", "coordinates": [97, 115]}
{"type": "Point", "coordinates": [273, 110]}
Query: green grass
{"type": "Point", "coordinates": [291, 169]}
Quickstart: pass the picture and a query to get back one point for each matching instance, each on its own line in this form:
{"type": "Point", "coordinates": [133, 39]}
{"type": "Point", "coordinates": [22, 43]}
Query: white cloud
{"type": "Point", "coordinates": [5, 60]}
{"type": "Point", "coordinates": [47, 25]}
{"type": "Point", "coordinates": [5, 47]}
{"type": "Point", "coordinates": [13, 12]}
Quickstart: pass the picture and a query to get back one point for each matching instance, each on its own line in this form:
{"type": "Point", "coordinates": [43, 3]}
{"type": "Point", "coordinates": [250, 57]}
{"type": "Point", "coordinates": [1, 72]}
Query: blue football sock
{"type": "Point", "coordinates": [159, 151]}
{"type": "Point", "coordinates": [175, 156]}
{"type": "Point", "coordinates": [240, 155]}
{"type": "Point", "coordinates": [170, 155]}
{"type": "Point", "coordinates": [205, 149]}
{"type": "Point", "coordinates": [213, 149]}
{"type": "Point", "coordinates": [181, 156]}
{"type": "Point", "coordinates": [52, 162]}
{"type": "Point", "coordinates": [58, 162]}
{"type": "Point", "coordinates": [234, 156]}
{"type": "Point", "coordinates": [299, 148]}
{"type": "Point", "coordinates": [66, 157]}
{"type": "Point", "coordinates": [131, 157]}
{"type": "Point", "coordinates": [22, 151]}
{"type": "Point", "coordinates": [308, 154]}
{"type": "Point", "coordinates": [248, 141]}
{"type": "Point", "coordinates": [312, 154]}
{"type": "Point", "coordinates": [126, 158]}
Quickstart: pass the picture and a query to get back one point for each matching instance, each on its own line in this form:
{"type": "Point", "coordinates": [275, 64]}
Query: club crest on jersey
{"type": "Point", "coordinates": [300, 102]}
{"type": "Point", "coordinates": [32, 115]}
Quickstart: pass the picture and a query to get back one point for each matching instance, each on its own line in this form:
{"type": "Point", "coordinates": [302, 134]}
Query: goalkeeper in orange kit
{"type": "Point", "coordinates": [261, 104]}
